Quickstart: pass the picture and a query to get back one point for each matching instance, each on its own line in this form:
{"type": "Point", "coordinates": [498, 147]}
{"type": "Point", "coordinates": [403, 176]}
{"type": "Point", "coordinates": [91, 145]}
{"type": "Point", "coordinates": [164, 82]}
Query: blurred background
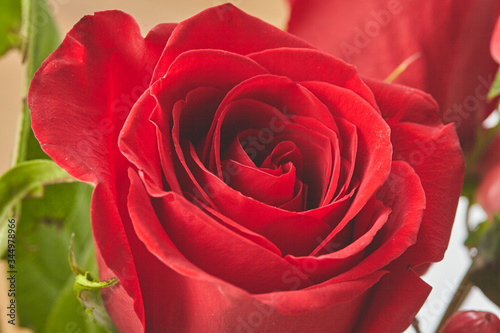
{"type": "Point", "coordinates": [444, 277]}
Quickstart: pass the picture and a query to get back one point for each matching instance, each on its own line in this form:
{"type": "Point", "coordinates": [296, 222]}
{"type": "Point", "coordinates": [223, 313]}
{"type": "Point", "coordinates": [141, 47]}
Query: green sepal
{"type": "Point", "coordinates": [495, 87]}
{"type": "Point", "coordinates": [402, 67]}
{"type": "Point", "coordinates": [86, 282]}
{"type": "Point", "coordinates": [88, 291]}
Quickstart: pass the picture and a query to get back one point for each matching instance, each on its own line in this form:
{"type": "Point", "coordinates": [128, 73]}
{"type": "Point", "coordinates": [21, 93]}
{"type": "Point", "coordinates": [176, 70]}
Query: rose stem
{"type": "Point", "coordinates": [462, 291]}
{"type": "Point", "coordinates": [415, 325]}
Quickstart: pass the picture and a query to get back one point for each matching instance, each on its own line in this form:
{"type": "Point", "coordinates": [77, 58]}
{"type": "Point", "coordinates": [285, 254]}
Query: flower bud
{"type": "Point", "coordinates": [472, 322]}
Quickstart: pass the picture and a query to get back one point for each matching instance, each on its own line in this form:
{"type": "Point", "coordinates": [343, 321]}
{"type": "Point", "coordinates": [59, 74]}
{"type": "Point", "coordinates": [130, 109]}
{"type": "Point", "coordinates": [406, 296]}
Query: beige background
{"type": "Point", "coordinates": [148, 13]}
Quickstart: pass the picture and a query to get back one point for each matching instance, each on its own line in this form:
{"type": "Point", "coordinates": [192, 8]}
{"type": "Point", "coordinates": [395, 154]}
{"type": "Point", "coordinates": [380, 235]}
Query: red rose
{"type": "Point", "coordinates": [247, 182]}
{"type": "Point", "coordinates": [472, 322]}
{"type": "Point", "coordinates": [448, 41]}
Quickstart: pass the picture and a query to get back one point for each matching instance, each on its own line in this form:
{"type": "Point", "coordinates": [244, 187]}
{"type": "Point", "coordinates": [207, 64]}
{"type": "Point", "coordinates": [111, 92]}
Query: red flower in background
{"type": "Point", "coordinates": [448, 40]}
{"type": "Point", "coordinates": [245, 180]}
{"type": "Point", "coordinates": [495, 42]}
{"type": "Point", "coordinates": [488, 192]}
{"type": "Point", "coordinates": [472, 322]}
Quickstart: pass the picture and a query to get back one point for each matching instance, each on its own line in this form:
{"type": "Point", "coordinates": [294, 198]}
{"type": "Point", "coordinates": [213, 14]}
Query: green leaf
{"type": "Point", "coordinates": [22, 180]}
{"type": "Point", "coordinates": [44, 232]}
{"type": "Point", "coordinates": [475, 236]}
{"type": "Point", "coordinates": [485, 270]}
{"type": "Point", "coordinates": [68, 313]}
{"type": "Point", "coordinates": [10, 25]}
{"type": "Point", "coordinates": [43, 39]}
{"type": "Point", "coordinates": [495, 87]}
{"type": "Point", "coordinates": [43, 36]}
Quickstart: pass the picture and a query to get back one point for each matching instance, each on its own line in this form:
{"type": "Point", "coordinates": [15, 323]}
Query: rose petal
{"type": "Point", "coordinates": [299, 201]}
{"type": "Point", "coordinates": [372, 167]}
{"type": "Point", "coordinates": [346, 254]}
{"type": "Point", "coordinates": [300, 231]}
{"type": "Point", "coordinates": [321, 296]}
{"type": "Point", "coordinates": [177, 302]}
{"type": "Point", "coordinates": [274, 190]}
{"type": "Point", "coordinates": [282, 94]}
{"type": "Point", "coordinates": [221, 28]}
{"type": "Point", "coordinates": [235, 116]}
{"type": "Point", "coordinates": [349, 141]}
{"type": "Point", "coordinates": [402, 292]}
{"type": "Point", "coordinates": [73, 83]}
{"type": "Point", "coordinates": [117, 257]}
{"type": "Point", "coordinates": [426, 150]}
{"type": "Point", "coordinates": [188, 73]}
{"type": "Point", "coordinates": [315, 156]}
{"type": "Point", "coordinates": [335, 164]}
{"type": "Point", "coordinates": [119, 304]}
{"type": "Point", "coordinates": [334, 212]}
{"type": "Point", "coordinates": [70, 94]}
{"type": "Point", "coordinates": [309, 310]}
{"type": "Point", "coordinates": [312, 65]}
{"type": "Point", "coordinates": [207, 244]}
{"type": "Point", "coordinates": [432, 150]}
{"type": "Point", "coordinates": [202, 296]}
{"type": "Point", "coordinates": [138, 139]}
{"type": "Point", "coordinates": [240, 230]}
{"type": "Point", "coordinates": [375, 240]}
{"type": "Point", "coordinates": [201, 104]}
